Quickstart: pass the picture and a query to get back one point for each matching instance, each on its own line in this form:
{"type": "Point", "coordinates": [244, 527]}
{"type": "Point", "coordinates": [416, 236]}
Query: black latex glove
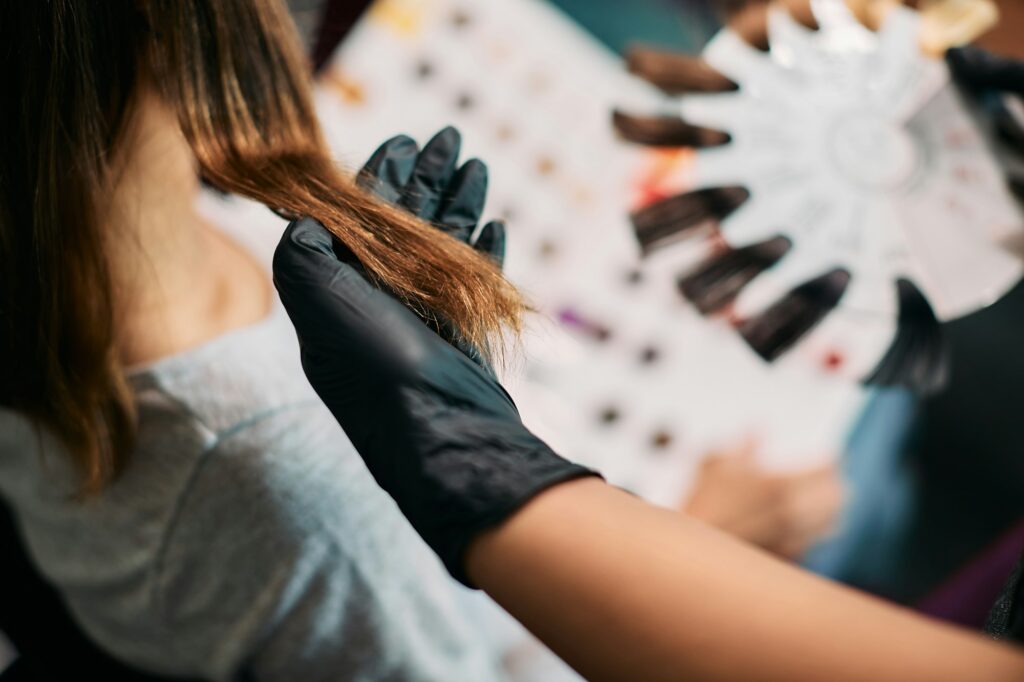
{"type": "Point", "coordinates": [437, 432]}
{"type": "Point", "coordinates": [429, 185]}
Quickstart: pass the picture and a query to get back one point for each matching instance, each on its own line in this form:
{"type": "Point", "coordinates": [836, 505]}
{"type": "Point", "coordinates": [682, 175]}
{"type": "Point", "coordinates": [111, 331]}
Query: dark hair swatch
{"type": "Point", "coordinates": [919, 356]}
{"type": "Point", "coordinates": [718, 279]}
{"type": "Point", "coordinates": [670, 219]}
{"type": "Point", "coordinates": [774, 331]}
{"type": "Point", "coordinates": [676, 73]}
{"type": "Point", "coordinates": [666, 131]}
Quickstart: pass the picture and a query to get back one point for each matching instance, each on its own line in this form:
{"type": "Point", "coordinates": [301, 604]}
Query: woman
{"type": "Point", "coordinates": [170, 470]}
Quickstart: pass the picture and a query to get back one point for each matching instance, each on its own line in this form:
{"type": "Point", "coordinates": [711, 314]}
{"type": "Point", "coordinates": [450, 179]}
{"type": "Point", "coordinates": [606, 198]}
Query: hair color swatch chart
{"type": "Point", "coordinates": [618, 370]}
{"type": "Point", "coordinates": [854, 147]}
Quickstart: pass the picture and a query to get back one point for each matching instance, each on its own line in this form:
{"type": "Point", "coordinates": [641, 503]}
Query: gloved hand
{"type": "Point", "coordinates": [429, 185]}
{"type": "Point", "coordinates": [436, 430]}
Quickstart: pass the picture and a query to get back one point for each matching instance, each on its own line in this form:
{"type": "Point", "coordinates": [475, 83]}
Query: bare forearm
{"type": "Point", "coordinates": [622, 590]}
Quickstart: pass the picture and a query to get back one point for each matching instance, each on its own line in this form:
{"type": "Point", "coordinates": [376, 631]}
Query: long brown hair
{"type": "Point", "coordinates": [234, 73]}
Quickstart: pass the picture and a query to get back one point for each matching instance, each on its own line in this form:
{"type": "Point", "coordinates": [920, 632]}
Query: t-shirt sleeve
{"type": "Point", "coordinates": [284, 567]}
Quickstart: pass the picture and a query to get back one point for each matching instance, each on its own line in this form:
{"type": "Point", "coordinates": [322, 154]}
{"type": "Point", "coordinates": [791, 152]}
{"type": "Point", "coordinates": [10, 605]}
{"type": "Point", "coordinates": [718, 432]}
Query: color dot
{"type": "Point", "coordinates": [461, 18]}
{"type": "Point", "coordinates": [506, 132]}
{"type": "Point", "coordinates": [545, 165]}
{"type": "Point", "coordinates": [465, 101]}
{"type": "Point", "coordinates": [547, 249]}
{"type": "Point", "coordinates": [538, 82]}
{"type": "Point", "coordinates": [582, 196]}
{"type": "Point", "coordinates": [634, 277]}
{"type": "Point", "coordinates": [500, 51]}
{"type": "Point", "coordinates": [424, 70]}
{"type": "Point", "coordinates": [609, 415]}
{"type": "Point", "coordinates": [833, 360]}
{"type": "Point", "coordinates": [661, 440]}
{"type": "Point", "coordinates": [649, 355]}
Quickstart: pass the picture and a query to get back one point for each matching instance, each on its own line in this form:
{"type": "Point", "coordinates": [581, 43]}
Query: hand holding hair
{"type": "Point", "coordinates": [437, 432]}
{"type": "Point", "coordinates": [430, 185]}
{"type": "Point", "coordinates": [436, 429]}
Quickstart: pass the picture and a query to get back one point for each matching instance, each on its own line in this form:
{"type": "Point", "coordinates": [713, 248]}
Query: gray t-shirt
{"type": "Point", "coordinates": [246, 538]}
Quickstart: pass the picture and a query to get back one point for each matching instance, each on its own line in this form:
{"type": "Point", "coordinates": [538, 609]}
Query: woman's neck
{"type": "Point", "coordinates": [177, 282]}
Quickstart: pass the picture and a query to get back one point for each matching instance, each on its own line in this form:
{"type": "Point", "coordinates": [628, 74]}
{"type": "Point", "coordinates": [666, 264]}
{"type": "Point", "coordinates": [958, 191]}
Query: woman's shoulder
{"type": "Point", "coordinates": [247, 443]}
{"type": "Point", "coordinates": [235, 378]}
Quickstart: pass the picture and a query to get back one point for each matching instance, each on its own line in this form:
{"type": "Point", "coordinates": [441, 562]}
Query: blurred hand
{"type": "Point", "coordinates": [783, 513]}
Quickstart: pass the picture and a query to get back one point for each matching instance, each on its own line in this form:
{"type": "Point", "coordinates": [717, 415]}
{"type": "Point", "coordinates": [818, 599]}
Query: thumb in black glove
{"type": "Point", "coordinates": [437, 432]}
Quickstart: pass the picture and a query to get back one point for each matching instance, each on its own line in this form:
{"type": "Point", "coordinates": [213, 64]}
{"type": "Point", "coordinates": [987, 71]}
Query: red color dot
{"type": "Point", "coordinates": [833, 360]}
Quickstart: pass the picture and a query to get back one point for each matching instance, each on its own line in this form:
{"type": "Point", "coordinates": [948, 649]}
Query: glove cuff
{"type": "Point", "coordinates": [451, 543]}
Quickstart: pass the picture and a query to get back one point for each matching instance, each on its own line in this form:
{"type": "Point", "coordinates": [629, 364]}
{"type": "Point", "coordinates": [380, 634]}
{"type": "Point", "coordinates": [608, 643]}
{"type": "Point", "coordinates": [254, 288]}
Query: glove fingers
{"type": "Point", "coordinates": [491, 241]}
{"type": "Point", "coordinates": [390, 168]}
{"type": "Point", "coordinates": [433, 171]}
{"type": "Point", "coordinates": [463, 201]}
